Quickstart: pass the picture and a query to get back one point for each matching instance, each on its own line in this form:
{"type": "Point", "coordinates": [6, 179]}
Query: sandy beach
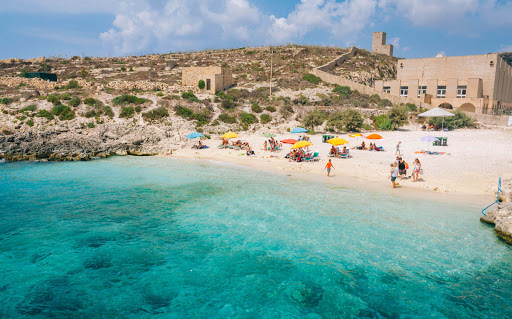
{"type": "Point", "coordinates": [470, 166]}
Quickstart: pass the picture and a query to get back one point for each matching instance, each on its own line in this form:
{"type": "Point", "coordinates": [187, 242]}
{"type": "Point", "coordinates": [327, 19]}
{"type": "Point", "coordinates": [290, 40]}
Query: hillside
{"type": "Point", "coordinates": [122, 99]}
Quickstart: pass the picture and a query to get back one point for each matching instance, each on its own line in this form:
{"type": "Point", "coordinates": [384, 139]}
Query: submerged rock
{"type": "Point", "coordinates": [501, 218]}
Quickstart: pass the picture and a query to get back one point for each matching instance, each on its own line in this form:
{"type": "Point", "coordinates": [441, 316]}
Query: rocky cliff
{"type": "Point", "coordinates": [501, 218]}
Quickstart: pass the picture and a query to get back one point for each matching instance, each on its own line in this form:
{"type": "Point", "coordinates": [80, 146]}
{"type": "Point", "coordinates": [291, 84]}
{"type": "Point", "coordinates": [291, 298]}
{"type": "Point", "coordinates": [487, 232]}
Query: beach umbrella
{"type": "Point", "coordinates": [301, 144]}
{"type": "Point", "coordinates": [356, 135]}
{"type": "Point", "coordinates": [374, 137]}
{"type": "Point", "coordinates": [195, 135]}
{"type": "Point", "coordinates": [337, 141]}
{"type": "Point", "coordinates": [437, 112]}
{"type": "Point", "coordinates": [429, 139]}
{"type": "Point", "coordinates": [230, 135]}
{"type": "Point", "coordinates": [298, 130]}
{"type": "Point", "coordinates": [289, 141]}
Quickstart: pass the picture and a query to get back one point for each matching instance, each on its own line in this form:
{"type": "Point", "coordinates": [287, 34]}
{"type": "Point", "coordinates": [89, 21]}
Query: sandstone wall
{"type": "Point", "coordinates": [340, 60]}
{"type": "Point", "coordinates": [40, 84]}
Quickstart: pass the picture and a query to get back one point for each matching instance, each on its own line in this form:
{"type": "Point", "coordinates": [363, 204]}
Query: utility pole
{"type": "Point", "coordinates": [271, 62]}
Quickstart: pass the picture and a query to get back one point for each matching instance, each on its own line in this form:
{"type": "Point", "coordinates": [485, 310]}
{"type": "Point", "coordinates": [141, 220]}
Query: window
{"type": "Point", "coordinates": [461, 91]}
{"type": "Point", "coordinates": [422, 90]}
{"type": "Point", "coordinates": [441, 91]}
{"type": "Point", "coordinates": [386, 89]}
{"type": "Point", "coordinates": [404, 90]}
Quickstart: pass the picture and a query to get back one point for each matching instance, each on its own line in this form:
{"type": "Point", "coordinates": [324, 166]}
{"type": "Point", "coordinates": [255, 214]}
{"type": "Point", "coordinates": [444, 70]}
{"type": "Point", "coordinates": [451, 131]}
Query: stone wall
{"type": "Point", "coordinates": [40, 84]}
{"type": "Point", "coordinates": [340, 60]}
{"type": "Point", "coordinates": [219, 78]}
{"type": "Point", "coordinates": [141, 85]}
{"type": "Point", "coordinates": [379, 45]}
{"type": "Point", "coordinates": [334, 79]}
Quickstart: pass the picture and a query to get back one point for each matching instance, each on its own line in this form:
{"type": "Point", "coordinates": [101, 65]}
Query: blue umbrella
{"type": "Point", "coordinates": [298, 130]}
{"type": "Point", "coordinates": [195, 135]}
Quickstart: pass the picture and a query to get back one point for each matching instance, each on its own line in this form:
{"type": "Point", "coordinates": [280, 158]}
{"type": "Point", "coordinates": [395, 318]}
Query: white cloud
{"type": "Point", "coordinates": [395, 42]}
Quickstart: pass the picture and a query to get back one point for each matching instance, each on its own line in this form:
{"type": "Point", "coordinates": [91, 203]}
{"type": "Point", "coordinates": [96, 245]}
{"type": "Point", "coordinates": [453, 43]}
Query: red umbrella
{"type": "Point", "coordinates": [289, 141]}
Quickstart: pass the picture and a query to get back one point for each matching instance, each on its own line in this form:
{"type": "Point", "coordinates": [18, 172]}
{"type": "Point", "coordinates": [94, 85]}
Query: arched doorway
{"type": "Point", "coordinates": [467, 107]}
{"type": "Point", "coordinates": [446, 106]}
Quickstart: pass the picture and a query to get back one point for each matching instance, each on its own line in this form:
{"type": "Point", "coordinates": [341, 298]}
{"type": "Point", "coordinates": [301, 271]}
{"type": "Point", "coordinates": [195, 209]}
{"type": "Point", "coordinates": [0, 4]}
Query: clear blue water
{"type": "Point", "coordinates": [132, 237]}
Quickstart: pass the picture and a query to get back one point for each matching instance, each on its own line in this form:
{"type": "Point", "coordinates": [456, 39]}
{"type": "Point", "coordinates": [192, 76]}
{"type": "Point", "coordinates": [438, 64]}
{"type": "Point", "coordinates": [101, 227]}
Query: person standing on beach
{"type": "Point", "coordinates": [328, 166]}
{"type": "Point", "coordinates": [394, 174]}
{"type": "Point", "coordinates": [416, 170]}
{"type": "Point", "coordinates": [398, 148]}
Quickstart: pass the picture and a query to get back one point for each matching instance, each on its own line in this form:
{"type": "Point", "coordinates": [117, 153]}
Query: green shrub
{"type": "Point", "coordinates": [383, 123]}
{"type": "Point", "coordinates": [30, 108]}
{"type": "Point", "coordinates": [265, 118]}
{"type": "Point", "coordinates": [63, 112]}
{"type": "Point", "coordinates": [201, 85]}
{"type": "Point", "coordinates": [311, 78]}
{"type": "Point", "coordinates": [30, 122]}
{"type": "Point", "coordinates": [228, 103]}
{"type": "Point", "coordinates": [127, 112]}
{"type": "Point", "coordinates": [411, 107]}
{"type": "Point", "coordinates": [375, 99]}
{"type": "Point", "coordinates": [385, 102]}
{"type": "Point", "coordinates": [90, 113]}
{"type": "Point", "coordinates": [270, 109]}
{"type": "Point", "coordinates": [189, 96]}
{"type": "Point", "coordinates": [342, 90]}
{"type": "Point", "coordinates": [6, 101]}
{"type": "Point", "coordinates": [302, 100]}
{"type": "Point", "coordinates": [138, 109]}
{"type": "Point", "coordinates": [65, 96]}
{"type": "Point", "coordinates": [184, 112]}
{"type": "Point", "coordinates": [156, 114]}
{"type": "Point", "coordinates": [256, 108]}
{"type": "Point", "coordinates": [90, 125]}
{"type": "Point", "coordinates": [248, 118]}
{"type": "Point", "coordinates": [128, 99]}
{"type": "Point", "coordinates": [349, 120]}
{"type": "Point", "coordinates": [314, 118]}
{"type": "Point", "coordinates": [398, 116]}
{"type": "Point", "coordinates": [460, 120]}
{"type": "Point", "coordinates": [107, 110]}
{"type": "Point", "coordinates": [227, 119]}
{"type": "Point", "coordinates": [286, 110]}
{"type": "Point", "coordinates": [53, 99]}
{"type": "Point", "coordinates": [45, 114]}
{"type": "Point", "coordinates": [92, 102]}
{"type": "Point", "coordinates": [74, 102]}
{"type": "Point", "coordinates": [73, 84]}
{"type": "Point", "coordinates": [160, 94]}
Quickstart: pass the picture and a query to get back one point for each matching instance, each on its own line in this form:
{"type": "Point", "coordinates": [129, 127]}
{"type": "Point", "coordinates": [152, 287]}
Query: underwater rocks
{"type": "Point", "coordinates": [501, 217]}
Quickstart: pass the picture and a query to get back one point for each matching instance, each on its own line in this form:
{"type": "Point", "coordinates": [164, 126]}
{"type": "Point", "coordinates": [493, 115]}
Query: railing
{"type": "Point", "coordinates": [497, 198]}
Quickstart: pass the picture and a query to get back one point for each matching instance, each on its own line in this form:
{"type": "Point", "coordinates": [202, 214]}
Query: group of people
{"type": "Point", "coordinates": [303, 138]}
{"type": "Point", "coordinates": [298, 155]}
{"type": "Point", "coordinates": [272, 145]}
{"type": "Point", "coordinates": [372, 147]}
{"type": "Point", "coordinates": [199, 145]}
{"type": "Point", "coordinates": [431, 127]}
{"type": "Point", "coordinates": [399, 169]}
{"type": "Point", "coordinates": [336, 152]}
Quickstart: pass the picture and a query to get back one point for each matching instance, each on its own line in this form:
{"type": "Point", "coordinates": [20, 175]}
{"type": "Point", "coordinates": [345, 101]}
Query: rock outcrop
{"type": "Point", "coordinates": [63, 143]}
{"type": "Point", "coordinates": [501, 218]}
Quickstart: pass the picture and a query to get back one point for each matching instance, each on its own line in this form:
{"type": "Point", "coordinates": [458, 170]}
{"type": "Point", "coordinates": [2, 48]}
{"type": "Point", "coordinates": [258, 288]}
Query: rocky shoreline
{"type": "Point", "coordinates": [62, 143]}
{"type": "Point", "coordinates": [501, 218]}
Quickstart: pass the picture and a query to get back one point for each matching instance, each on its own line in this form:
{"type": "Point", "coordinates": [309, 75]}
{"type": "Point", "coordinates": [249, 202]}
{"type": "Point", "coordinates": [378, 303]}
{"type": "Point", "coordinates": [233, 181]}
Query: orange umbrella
{"type": "Point", "coordinates": [289, 141]}
{"type": "Point", "coordinates": [374, 137]}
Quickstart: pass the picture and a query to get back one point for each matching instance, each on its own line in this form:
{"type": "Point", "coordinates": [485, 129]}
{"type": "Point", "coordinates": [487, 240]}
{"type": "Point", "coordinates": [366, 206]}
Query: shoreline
{"type": "Point", "coordinates": [349, 181]}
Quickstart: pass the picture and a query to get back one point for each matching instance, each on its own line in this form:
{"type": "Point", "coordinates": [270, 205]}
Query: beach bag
{"type": "Point", "coordinates": [406, 165]}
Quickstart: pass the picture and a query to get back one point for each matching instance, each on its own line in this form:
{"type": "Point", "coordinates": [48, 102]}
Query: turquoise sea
{"type": "Point", "coordinates": [132, 237]}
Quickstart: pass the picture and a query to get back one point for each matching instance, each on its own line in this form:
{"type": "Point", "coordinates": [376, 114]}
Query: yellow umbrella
{"type": "Point", "coordinates": [356, 135]}
{"type": "Point", "coordinates": [301, 144]}
{"type": "Point", "coordinates": [337, 141]}
{"type": "Point", "coordinates": [230, 135]}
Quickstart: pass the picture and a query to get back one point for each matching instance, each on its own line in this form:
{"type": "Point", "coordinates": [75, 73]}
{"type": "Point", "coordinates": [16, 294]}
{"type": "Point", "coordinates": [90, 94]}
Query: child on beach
{"type": "Point", "coordinates": [394, 174]}
{"type": "Point", "coordinates": [328, 166]}
{"type": "Point", "coordinates": [398, 148]}
{"type": "Point", "coordinates": [416, 170]}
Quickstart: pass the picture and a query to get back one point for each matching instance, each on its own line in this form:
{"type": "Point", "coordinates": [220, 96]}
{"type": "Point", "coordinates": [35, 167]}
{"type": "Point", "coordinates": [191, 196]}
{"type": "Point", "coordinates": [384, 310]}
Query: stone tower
{"type": "Point", "coordinates": [379, 45]}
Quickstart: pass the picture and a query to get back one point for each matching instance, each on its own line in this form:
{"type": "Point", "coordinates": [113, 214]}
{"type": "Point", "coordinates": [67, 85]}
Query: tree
{"type": "Point", "coordinates": [201, 85]}
{"type": "Point", "coordinates": [352, 120]}
{"type": "Point", "coordinates": [314, 118]}
{"type": "Point", "coordinates": [398, 116]}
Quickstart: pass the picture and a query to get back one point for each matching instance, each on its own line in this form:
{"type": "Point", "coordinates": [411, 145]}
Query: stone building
{"type": "Point", "coordinates": [215, 78]}
{"type": "Point", "coordinates": [476, 83]}
{"type": "Point", "coordinates": [379, 45]}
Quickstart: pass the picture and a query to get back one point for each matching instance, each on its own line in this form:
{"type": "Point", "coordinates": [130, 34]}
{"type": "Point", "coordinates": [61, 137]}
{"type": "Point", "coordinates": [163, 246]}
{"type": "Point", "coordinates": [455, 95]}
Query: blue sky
{"type": "Point", "coordinates": [417, 28]}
